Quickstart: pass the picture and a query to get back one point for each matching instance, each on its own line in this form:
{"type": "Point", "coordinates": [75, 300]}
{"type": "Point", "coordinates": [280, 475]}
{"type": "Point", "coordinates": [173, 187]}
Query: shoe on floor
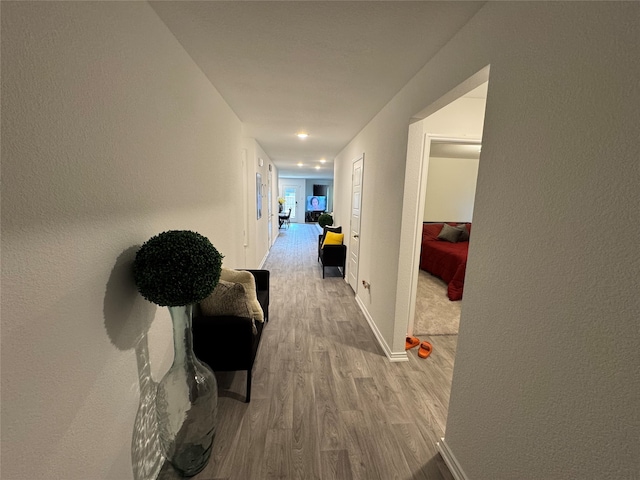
{"type": "Point", "coordinates": [425, 350]}
{"type": "Point", "coordinates": [411, 342]}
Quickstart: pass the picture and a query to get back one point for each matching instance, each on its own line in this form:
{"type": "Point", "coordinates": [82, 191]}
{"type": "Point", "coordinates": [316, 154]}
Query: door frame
{"type": "Point", "coordinates": [413, 201]}
{"type": "Point", "coordinates": [427, 140]}
{"type": "Point", "coordinates": [348, 262]}
{"type": "Point", "coordinates": [269, 208]}
{"type": "Point", "coordinates": [299, 185]}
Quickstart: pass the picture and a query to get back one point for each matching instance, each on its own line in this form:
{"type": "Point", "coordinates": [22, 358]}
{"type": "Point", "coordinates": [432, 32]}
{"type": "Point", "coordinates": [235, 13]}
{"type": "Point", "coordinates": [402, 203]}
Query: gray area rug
{"type": "Point", "coordinates": [435, 313]}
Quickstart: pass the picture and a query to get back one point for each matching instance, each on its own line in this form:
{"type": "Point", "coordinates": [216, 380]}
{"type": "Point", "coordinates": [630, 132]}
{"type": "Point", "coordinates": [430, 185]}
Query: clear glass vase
{"type": "Point", "coordinates": [186, 402]}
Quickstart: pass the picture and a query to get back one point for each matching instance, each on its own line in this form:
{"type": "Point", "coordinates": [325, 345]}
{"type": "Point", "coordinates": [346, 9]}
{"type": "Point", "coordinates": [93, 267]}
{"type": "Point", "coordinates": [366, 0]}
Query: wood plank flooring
{"type": "Point", "coordinates": [326, 403]}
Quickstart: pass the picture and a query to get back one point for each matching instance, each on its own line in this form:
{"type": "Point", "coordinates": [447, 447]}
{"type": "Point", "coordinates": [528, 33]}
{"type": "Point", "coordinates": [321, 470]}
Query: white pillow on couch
{"type": "Point", "coordinates": [249, 282]}
{"type": "Point", "coordinates": [228, 298]}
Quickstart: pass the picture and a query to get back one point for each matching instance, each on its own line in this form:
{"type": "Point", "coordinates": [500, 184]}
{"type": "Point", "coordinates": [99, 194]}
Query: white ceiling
{"type": "Point", "coordinates": [325, 68]}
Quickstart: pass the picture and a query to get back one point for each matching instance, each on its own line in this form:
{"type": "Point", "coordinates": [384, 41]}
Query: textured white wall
{"type": "Point", "coordinates": [381, 141]}
{"type": "Point", "coordinates": [451, 189]}
{"type": "Point", "coordinates": [111, 134]}
{"type": "Point", "coordinates": [546, 381]}
{"type": "Point", "coordinates": [552, 309]}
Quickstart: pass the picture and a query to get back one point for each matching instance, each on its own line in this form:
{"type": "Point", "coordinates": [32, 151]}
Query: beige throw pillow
{"type": "Point", "coordinates": [228, 298]}
{"type": "Point", "coordinates": [249, 283]}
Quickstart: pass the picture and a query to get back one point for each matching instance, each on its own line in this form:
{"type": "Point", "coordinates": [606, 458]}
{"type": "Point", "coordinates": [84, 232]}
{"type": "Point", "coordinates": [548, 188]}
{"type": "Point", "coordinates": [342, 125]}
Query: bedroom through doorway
{"type": "Point", "coordinates": [454, 122]}
{"type": "Point", "coordinates": [452, 172]}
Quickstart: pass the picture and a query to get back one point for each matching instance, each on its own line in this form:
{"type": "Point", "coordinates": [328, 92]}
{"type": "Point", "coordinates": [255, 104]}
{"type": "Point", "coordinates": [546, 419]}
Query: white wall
{"type": "Point", "coordinates": [381, 214]}
{"type": "Point", "coordinates": [111, 134]}
{"type": "Point", "coordinates": [258, 229]}
{"type": "Point", "coordinates": [546, 381]}
{"type": "Point", "coordinates": [451, 189]}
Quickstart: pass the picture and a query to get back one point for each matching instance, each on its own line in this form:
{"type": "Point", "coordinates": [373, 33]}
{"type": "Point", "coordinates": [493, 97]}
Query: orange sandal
{"type": "Point", "coordinates": [425, 350]}
{"type": "Point", "coordinates": [411, 342]}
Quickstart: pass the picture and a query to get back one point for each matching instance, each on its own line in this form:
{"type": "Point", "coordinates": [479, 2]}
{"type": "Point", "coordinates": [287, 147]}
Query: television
{"type": "Point", "coordinates": [316, 203]}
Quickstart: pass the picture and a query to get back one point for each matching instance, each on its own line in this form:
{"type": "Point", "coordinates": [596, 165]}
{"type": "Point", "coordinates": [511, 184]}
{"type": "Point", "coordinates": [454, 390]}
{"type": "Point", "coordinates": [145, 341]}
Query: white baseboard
{"type": "Point", "coordinates": [264, 259]}
{"type": "Point", "coordinates": [451, 461]}
{"type": "Point", "coordinates": [392, 356]}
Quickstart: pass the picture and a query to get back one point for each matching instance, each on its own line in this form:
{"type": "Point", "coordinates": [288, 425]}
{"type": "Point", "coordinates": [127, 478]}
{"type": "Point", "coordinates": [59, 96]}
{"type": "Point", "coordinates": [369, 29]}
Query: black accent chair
{"type": "Point", "coordinates": [331, 255]}
{"type": "Point", "coordinates": [326, 229]}
{"type": "Point", "coordinates": [284, 219]}
{"type": "Point", "coordinates": [227, 343]}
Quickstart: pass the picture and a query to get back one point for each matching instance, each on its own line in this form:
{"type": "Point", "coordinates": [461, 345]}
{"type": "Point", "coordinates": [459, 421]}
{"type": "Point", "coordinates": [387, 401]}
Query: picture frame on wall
{"type": "Point", "coordinates": [259, 195]}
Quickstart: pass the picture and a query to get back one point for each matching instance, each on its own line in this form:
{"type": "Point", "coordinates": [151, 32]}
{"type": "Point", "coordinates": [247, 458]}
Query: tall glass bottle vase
{"type": "Point", "coordinates": [186, 402]}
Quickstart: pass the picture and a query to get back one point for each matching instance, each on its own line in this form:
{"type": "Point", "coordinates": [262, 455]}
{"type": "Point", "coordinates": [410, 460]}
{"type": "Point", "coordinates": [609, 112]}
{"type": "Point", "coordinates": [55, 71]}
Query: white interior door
{"type": "Point", "coordinates": [293, 191]}
{"type": "Point", "coordinates": [356, 213]}
{"type": "Point", "coordinates": [290, 194]}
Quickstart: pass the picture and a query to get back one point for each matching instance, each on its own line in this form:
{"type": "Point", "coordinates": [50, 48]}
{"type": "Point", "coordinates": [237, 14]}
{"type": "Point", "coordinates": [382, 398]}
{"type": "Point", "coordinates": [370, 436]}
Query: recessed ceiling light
{"type": "Point", "coordinates": [302, 135]}
{"type": "Point", "coordinates": [317, 167]}
{"type": "Point", "coordinates": [299, 164]}
{"type": "Point", "coordinates": [322, 160]}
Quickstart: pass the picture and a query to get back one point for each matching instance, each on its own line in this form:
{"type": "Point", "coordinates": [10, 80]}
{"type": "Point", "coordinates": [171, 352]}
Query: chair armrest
{"type": "Point", "coordinates": [262, 287]}
{"type": "Point", "coordinates": [262, 278]}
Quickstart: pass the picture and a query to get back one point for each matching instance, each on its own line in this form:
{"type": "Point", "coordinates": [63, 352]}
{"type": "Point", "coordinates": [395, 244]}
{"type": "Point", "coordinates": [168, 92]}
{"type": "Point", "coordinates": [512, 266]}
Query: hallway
{"type": "Point", "coordinates": [326, 403]}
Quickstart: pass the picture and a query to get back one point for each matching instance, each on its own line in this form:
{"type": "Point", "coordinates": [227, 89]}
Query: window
{"type": "Point", "coordinates": [290, 200]}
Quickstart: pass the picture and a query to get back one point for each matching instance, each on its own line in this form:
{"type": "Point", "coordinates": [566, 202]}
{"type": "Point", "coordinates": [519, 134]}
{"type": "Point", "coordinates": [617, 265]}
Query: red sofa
{"type": "Point", "coordinates": [445, 259]}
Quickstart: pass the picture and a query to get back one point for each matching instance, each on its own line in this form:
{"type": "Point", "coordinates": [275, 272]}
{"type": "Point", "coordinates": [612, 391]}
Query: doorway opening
{"type": "Point", "coordinates": [290, 195]}
{"type": "Point", "coordinates": [452, 172]}
{"type": "Point", "coordinates": [446, 124]}
{"type": "Point", "coordinates": [457, 117]}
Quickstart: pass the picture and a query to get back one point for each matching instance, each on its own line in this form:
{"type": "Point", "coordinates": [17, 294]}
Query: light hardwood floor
{"type": "Point", "coordinates": [326, 403]}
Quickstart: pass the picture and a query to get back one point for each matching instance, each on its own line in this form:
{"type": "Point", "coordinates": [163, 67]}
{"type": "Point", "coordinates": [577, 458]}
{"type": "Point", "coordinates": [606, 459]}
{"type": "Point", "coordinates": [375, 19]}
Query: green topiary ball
{"type": "Point", "coordinates": [177, 267]}
{"type": "Point", "coordinates": [325, 219]}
